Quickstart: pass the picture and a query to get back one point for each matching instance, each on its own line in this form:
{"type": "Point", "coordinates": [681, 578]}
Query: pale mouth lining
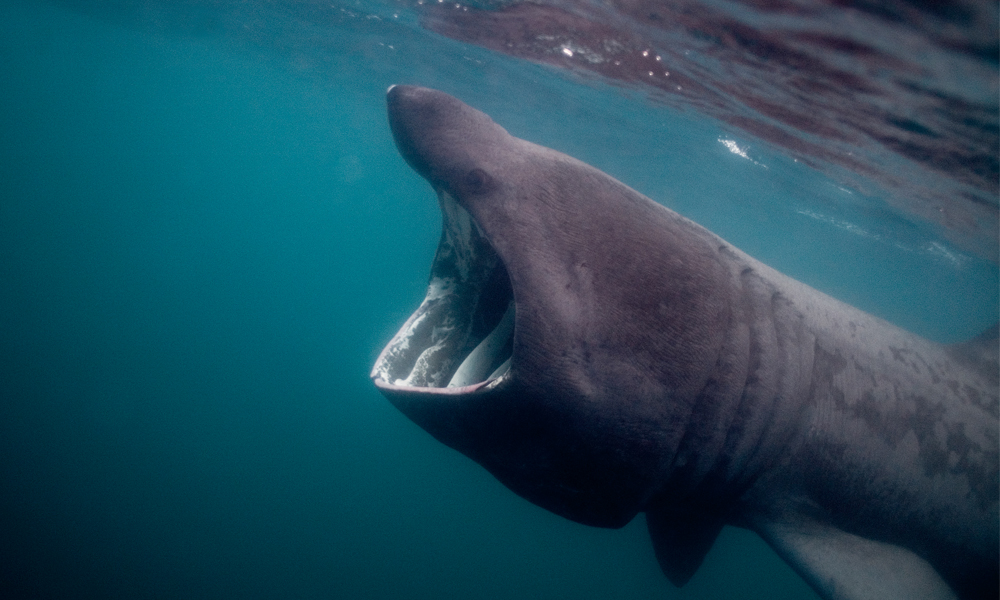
{"type": "Point", "coordinates": [462, 334]}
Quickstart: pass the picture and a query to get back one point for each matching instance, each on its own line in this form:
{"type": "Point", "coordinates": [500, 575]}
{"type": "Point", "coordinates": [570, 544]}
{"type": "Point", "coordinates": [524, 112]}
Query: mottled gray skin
{"type": "Point", "coordinates": [656, 368]}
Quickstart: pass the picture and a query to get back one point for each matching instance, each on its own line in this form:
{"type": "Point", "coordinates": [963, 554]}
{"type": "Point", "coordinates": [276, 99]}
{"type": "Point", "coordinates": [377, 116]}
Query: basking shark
{"type": "Point", "coordinates": [603, 356]}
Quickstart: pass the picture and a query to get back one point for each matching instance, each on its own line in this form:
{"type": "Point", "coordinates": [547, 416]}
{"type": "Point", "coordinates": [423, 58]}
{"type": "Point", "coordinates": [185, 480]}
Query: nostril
{"type": "Point", "coordinates": [477, 180]}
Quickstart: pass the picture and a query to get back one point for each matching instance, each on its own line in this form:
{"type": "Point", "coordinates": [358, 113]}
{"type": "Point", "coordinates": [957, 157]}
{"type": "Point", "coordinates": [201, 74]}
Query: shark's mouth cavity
{"type": "Point", "coordinates": [462, 334]}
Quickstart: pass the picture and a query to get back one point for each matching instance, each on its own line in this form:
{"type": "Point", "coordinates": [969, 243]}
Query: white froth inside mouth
{"type": "Point", "coordinates": [462, 333]}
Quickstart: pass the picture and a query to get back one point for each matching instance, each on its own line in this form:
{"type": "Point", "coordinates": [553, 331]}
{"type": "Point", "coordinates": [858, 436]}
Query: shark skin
{"type": "Point", "coordinates": [603, 356]}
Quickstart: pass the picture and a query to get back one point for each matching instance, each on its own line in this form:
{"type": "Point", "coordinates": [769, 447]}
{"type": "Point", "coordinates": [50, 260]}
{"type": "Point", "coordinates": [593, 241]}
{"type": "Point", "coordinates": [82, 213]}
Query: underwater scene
{"type": "Point", "coordinates": [208, 235]}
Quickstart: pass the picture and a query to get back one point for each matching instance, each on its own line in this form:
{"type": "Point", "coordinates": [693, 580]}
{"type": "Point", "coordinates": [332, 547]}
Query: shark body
{"type": "Point", "coordinates": [603, 356]}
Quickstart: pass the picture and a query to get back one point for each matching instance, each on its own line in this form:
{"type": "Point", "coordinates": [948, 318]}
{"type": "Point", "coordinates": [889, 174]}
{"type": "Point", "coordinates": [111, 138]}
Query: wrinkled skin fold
{"type": "Point", "coordinates": [603, 356]}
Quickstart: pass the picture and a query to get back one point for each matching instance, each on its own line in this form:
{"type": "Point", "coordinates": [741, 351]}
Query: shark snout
{"type": "Point", "coordinates": [447, 142]}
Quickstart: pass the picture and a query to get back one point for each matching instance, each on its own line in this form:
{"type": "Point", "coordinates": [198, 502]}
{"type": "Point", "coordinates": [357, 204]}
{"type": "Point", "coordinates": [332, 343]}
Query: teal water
{"type": "Point", "coordinates": [203, 247]}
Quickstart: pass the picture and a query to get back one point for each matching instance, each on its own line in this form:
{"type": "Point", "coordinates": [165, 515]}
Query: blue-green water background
{"type": "Point", "coordinates": [204, 245]}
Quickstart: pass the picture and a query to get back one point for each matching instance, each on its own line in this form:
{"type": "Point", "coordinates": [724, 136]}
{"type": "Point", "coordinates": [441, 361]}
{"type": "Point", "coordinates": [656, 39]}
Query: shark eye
{"type": "Point", "coordinates": [477, 181]}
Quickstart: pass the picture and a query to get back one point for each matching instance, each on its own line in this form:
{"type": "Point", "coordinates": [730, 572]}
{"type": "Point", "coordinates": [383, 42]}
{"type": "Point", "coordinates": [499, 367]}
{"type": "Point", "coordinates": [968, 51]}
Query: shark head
{"type": "Point", "coordinates": [565, 333]}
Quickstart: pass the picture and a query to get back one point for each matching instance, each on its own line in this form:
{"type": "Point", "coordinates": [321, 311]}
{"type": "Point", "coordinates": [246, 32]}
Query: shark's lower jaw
{"type": "Point", "coordinates": [462, 333]}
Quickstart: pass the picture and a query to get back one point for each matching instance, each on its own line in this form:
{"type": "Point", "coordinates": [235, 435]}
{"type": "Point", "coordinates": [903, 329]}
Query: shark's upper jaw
{"type": "Point", "coordinates": [461, 336]}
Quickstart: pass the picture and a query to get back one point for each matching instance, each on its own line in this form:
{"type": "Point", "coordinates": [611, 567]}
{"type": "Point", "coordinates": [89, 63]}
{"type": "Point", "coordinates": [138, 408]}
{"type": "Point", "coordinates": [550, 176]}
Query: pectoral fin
{"type": "Point", "coordinates": [681, 536]}
{"type": "Point", "coordinates": [842, 566]}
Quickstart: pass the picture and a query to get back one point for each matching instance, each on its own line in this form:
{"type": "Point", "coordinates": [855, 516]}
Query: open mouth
{"type": "Point", "coordinates": [462, 334]}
